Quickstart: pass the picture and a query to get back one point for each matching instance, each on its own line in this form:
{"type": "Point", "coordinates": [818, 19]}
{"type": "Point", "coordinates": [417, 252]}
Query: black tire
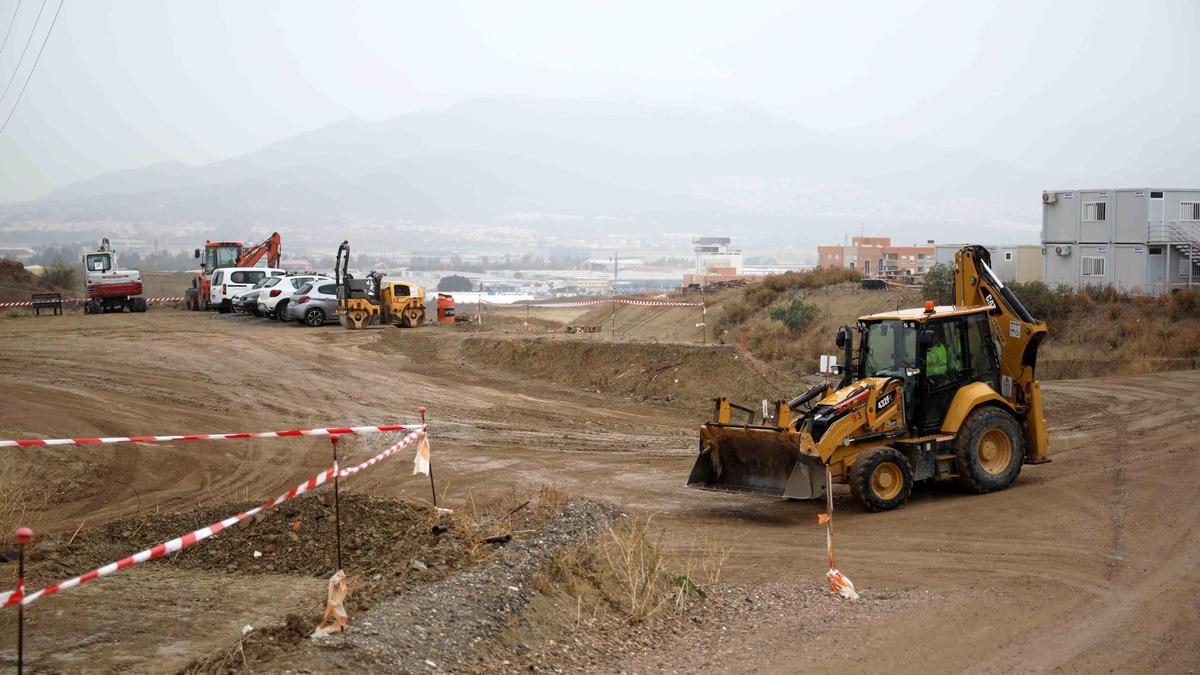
{"type": "Point", "coordinates": [869, 468]}
{"type": "Point", "coordinates": [281, 310]}
{"type": "Point", "coordinates": [315, 316]}
{"type": "Point", "coordinates": [983, 463]}
{"type": "Point", "coordinates": [89, 307]}
{"type": "Point", "coordinates": [137, 305]}
{"type": "Point", "coordinates": [224, 307]}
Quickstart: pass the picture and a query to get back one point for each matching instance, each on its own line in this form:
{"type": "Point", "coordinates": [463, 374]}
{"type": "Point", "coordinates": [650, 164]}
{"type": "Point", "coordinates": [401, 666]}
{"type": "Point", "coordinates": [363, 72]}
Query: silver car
{"type": "Point", "coordinates": [247, 301]}
{"type": "Point", "coordinates": [314, 304]}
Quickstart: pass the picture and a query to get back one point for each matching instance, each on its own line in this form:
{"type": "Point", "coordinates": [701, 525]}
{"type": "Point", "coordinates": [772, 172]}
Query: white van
{"type": "Point", "coordinates": [229, 281]}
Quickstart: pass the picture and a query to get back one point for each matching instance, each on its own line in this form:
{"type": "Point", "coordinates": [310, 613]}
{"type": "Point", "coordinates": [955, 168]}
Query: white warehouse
{"type": "Point", "coordinates": [1143, 239]}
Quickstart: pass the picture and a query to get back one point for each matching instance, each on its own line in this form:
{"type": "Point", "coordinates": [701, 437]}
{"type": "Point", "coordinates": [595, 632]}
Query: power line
{"type": "Point", "coordinates": [10, 25]}
{"type": "Point", "coordinates": [32, 32]}
{"type": "Point", "coordinates": [33, 67]}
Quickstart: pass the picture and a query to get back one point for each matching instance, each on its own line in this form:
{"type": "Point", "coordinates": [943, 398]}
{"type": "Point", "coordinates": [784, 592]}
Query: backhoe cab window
{"type": "Point", "coordinates": [944, 356]}
{"type": "Point", "coordinates": [99, 263]}
{"type": "Point", "coordinates": [221, 256]}
{"type": "Point", "coordinates": [889, 348]}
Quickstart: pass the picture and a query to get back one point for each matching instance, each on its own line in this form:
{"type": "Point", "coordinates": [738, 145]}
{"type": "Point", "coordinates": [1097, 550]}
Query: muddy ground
{"type": "Point", "coordinates": [1089, 563]}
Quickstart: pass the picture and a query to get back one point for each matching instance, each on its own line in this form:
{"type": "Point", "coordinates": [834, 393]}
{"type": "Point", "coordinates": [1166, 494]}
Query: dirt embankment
{"type": "Point", "coordinates": [17, 283]}
{"type": "Point", "coordinates": [688, 375]}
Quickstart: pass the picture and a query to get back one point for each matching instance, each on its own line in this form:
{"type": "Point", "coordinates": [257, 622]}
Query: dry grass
{"type": "Point", "coordinates": [635, 561]}
{"type": "Point", "coordinates": [1092, 331]}
{"type": "Point", "coordinates": [625, 573]}
{"type": "Point", "coordinates": [776, 288]}
{"type": "Point", "coordinates": [18, 500]}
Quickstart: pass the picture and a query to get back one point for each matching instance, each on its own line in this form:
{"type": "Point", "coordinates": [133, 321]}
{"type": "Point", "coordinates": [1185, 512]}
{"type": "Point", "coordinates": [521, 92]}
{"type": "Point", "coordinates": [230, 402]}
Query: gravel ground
{"type": "Point", "coordinates": [442, 625]}
{"type": "Point", "coordinates": [708, 636]}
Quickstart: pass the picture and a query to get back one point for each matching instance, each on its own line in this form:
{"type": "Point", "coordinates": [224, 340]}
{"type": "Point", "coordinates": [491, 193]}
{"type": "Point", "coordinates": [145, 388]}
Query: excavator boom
{"type": "Point", "coordinates": [269, 247]}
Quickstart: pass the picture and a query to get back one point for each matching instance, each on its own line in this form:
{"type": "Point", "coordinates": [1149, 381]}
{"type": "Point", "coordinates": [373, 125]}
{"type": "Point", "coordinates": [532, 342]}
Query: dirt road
{"type": "Point", "coordinates": [1091, 562]}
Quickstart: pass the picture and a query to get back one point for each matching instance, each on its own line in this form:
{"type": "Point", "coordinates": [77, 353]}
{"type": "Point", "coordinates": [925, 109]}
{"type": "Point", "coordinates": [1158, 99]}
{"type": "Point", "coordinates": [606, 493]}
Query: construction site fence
{"type": "Point", "coordinates": [20, 598]}
{"type": "Point", "coordinates": [29, 303]}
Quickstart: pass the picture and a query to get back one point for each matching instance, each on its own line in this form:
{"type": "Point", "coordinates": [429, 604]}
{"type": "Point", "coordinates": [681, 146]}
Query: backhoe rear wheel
{"type": "Point", "coordinates": [989, 450]}
{"type": "Point", "coordinates": [881, 479]}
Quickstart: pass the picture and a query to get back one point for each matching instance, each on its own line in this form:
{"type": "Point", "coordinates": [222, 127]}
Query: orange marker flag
{"type": "Point", "coordinates": [839, 583]}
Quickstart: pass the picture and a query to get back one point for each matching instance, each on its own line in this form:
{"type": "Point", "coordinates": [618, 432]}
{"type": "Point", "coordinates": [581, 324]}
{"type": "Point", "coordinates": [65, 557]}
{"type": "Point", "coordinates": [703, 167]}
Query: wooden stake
{"type": "Point", "coordinates": [432, 489]}
{"type": "Point", "coordinates": [337, 504]}
{"type": "Point", "coordinates": [24, 535]}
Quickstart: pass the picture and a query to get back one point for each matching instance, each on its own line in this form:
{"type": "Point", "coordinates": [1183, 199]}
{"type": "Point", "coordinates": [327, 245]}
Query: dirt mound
{"type": "Point", "coordinates": [17, 283]}
{"type": "Point", "coordinates": [379, 537]}
{"type": "Point", "coordinates": [687, 374]}
{"type": "Point", "coordinates": [668, 324]}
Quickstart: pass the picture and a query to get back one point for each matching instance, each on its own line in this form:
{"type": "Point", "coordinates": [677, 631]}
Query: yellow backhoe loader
{"type": "Point", "coordinates": [934, 393]}
{"type": "Point", "coordinates": [375, 301]}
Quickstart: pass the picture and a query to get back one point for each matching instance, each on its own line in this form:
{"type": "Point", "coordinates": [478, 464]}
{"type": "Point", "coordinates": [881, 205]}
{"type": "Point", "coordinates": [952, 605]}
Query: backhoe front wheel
{"type": "Point", "coordinates": [989, 450]}
{"type": "Point", "coordinates": [881, 479]}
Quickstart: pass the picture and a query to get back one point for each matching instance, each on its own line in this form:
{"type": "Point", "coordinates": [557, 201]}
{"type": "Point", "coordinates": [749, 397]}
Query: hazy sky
{"type": "Point", "coordinates": [128, 83]}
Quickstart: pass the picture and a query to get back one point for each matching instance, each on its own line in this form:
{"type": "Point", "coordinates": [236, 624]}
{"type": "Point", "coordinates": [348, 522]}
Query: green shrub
{"type": "Point", "coordinates": [1050, 304]}
{"type": "Point", "coordinates": [60, 274]}
{"type": "Point", "coordinates": [796, 315]}
{"type": "Point", "coordinates": [939, 284]}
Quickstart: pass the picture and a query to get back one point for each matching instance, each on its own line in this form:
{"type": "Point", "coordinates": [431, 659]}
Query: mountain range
{"type": "Point", "coordinates": [521, 173]}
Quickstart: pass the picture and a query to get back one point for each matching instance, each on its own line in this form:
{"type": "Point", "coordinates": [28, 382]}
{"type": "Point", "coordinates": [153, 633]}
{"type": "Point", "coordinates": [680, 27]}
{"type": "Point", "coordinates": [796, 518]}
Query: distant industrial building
{"type": "Point", "coordinates": [716, 255]}
{"type": "Point", "coordinates": [877, 257]}
{"type": "Point", "coordinates": [717, 260]}
{"type": "Point", "coordinates": [1140, 239]}
{"type": "Point", "coordinates": [1021, 262]}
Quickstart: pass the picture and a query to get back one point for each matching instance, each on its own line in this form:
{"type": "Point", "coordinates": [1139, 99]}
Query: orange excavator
{"type": "Point", "coordinates": [218, 254]}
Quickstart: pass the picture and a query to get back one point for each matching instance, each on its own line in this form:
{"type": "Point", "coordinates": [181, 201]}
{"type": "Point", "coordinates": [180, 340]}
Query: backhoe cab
{"type": "Point", "coordinates": [931, 393]}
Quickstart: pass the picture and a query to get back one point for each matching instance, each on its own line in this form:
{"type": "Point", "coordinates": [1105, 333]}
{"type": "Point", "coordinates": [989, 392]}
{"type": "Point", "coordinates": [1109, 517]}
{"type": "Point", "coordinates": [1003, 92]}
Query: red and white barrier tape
{"type": "Point", "coordinates": [543, 305]}
{"type": "Point", "coordinates": [400, 445]}
{"type": "Point", "coordinates": [658, 303]}
{"type": "Point", "coordinates": [27, 303]}
{"type": "Point", "coordinates": [590, 303]}
{"type": "Point", "coordinates": [180, 543]}
{"type": "Point", "coordinates": [329, 431]}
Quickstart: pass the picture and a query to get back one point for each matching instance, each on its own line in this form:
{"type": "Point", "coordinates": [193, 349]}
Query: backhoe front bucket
{"type": "Point", "coordinates": [758, 460]}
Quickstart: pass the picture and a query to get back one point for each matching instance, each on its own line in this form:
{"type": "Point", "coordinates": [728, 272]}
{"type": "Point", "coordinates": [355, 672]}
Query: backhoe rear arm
{"type": "Point", "coordinates": [1016, 334]}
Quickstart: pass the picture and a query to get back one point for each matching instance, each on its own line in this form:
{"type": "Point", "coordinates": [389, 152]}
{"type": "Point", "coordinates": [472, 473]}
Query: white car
{"type": "Point", "coordinates": [230, 281]}
{"type": "Point", "coordinates": [275, 294]}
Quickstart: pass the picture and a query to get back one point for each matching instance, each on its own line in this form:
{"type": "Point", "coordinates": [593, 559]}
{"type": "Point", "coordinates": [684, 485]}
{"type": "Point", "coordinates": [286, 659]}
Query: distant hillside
{"type": "Point", "coordinates": [524, 171]}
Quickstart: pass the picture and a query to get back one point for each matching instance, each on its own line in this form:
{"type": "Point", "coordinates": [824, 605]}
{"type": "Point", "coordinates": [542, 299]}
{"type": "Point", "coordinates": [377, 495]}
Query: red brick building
{"type": "Point", "coordinates": [877, 257]}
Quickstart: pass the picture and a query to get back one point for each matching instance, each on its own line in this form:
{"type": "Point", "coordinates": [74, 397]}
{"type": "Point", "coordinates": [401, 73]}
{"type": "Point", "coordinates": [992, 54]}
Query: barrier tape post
{"type": "Point", "coordinates": [703, 324]}
{"type": "Point", "coordinates": [838, 583]}
{"type": "Point", "coordinates": [614, 317]}
{"type": "Point", "coordinates": [432, 489]}
{"type": "Point", "coordinates": [24, 536]}
{"type": "Point", "coordinates": [337, 503]}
